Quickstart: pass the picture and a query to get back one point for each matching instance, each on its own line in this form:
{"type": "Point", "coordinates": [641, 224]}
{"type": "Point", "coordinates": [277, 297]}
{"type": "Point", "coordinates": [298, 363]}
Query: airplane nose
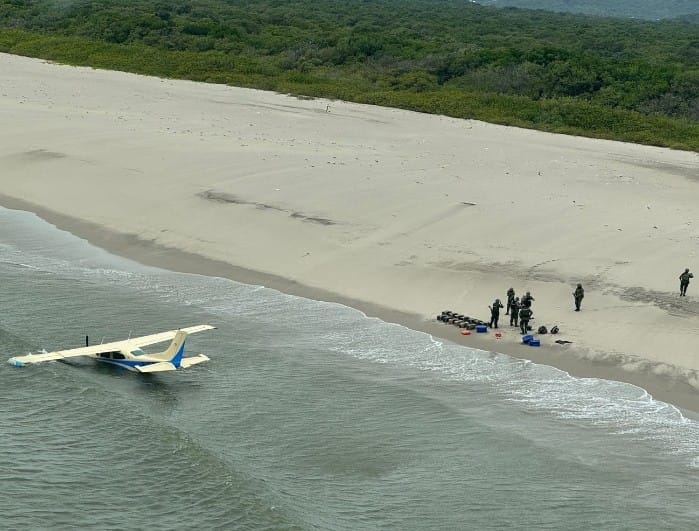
{"type": "Point", "coordinates": [15, 362]}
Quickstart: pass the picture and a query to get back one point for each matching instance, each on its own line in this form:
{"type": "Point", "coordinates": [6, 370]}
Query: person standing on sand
{"type": "Point", "coordinates": [495, 313]}
{"type": "Point", "coordinates": [578, 295]}
{"type": "Point", "coordinates": [514, 311]}
{"type": "Point", "coordinates": [684, 282]}
{"type": "Point", "coordinates": [510, 298]}
{"type": "Point", "coordinates": [524, 315]}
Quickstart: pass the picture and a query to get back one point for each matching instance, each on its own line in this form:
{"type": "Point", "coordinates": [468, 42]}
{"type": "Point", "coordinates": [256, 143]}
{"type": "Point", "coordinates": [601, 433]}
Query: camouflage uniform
{"type": "Point", "coordinates": [514, 307]}
{"type": "Point", "coordinates": [527, 300]}
{"type": "Point", "coordinates": [510, 298]}
{"type": "Point", "coordinates": [578, 295]}
{"type": "Point", "coordinates": [524, 315]}
{"type": "Point", "coordinates": [684, 282]}
{"type": "Point", "coordinates": [495, 313]}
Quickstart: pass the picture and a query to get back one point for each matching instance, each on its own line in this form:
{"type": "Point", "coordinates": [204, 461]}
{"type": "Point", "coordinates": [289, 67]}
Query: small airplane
{"type": "Point", "coordinates": [127, 353]}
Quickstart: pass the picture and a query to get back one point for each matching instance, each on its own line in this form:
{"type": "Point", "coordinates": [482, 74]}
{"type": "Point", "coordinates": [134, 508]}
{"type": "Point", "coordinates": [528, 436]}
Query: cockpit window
{"type": "Point", "coordinates": [113, 355]}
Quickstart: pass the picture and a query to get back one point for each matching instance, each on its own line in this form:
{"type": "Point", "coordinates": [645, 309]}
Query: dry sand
{"type": "Point", "coordinates": [397, 213]}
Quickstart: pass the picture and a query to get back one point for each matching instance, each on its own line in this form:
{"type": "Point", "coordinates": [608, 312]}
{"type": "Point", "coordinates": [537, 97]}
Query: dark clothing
{"type": "Point", "coordinates": [578, 295]}
{"type": "Point", "coordinates": [524, 315]}
{"type": "Point", "coordinates": [514, 313]}
{"type": "Point", "coordinates": [684, 282]}
{"type": "Point", "coordinates": [526, 301]}
{"type": "Point", "coordinates": [495, 314]}
{"type": "Point", "coordinates": [510, 298]}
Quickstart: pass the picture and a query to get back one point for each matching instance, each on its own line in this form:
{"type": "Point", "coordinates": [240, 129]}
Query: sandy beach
{"type": "Point", "coordinates": [399, 214]}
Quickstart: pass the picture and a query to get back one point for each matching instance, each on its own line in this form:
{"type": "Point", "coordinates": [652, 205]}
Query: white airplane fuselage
{"type": "Point", "coordinates": [125, 359]}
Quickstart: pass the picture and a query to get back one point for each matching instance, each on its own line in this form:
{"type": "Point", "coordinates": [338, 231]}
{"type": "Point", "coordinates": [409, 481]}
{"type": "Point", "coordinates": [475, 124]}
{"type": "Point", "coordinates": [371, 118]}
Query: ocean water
{"type": "Point", "coordinates": [308, 416]}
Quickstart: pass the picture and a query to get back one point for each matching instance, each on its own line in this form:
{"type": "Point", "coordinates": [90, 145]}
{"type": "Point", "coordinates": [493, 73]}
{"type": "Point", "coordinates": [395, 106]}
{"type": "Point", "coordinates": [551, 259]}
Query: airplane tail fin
{"type": "Point", "coordinates": [174, 352]}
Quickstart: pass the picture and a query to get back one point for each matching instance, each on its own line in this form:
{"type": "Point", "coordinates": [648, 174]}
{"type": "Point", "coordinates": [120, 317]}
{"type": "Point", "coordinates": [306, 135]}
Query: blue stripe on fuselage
{"type": "Point", "coordinates": [127, 364]}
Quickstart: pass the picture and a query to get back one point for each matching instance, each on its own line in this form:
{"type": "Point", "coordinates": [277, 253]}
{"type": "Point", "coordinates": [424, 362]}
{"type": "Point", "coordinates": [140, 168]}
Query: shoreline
{"type": "Point", "coordinates": [398, 214]}
{"type": "Point", "coordinates": [664, 388]}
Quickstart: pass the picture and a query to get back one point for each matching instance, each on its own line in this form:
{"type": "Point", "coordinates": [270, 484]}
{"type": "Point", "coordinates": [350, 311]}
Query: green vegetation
{"type": "Point", "coordinates": [608, 78]}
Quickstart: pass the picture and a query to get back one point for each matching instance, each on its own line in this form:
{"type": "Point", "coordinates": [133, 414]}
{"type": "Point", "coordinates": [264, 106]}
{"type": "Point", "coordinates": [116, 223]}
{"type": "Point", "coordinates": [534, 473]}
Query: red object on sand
{"type": "Point", "coordinates": [498, 335]}
{"type": "Point", "coordinates": [465, 332]}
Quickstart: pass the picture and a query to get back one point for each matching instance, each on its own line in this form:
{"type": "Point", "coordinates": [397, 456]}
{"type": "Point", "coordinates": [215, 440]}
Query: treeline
{"type": "Point", "coordinates": [622, 79]}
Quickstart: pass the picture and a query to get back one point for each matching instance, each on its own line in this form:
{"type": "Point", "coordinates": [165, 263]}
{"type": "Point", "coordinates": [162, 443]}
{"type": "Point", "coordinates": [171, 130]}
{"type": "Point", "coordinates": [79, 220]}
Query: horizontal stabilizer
{"type": "Point", "coordinates": [188, 362]}
{"type": "Point", "coordinates": [157, 367]}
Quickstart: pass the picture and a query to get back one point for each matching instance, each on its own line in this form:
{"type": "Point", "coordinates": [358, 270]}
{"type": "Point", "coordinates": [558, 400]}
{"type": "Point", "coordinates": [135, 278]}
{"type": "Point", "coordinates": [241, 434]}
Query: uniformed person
{"type": "Point", "coordinates": [514, 311]}
{"type": "Point", "coordinates": [495, 313]}
{"type": "Point", "coordinates": [524, 315]}
{"type": "Point", "coordinates": [510, 298]}
{"type": "Point", "coordinates": [578, 295]}
{"type": "Point", "coordinates": [684, 282]}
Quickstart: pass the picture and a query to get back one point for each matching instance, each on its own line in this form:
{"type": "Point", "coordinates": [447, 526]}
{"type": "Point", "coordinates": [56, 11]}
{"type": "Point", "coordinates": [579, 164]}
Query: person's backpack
{"type": "Point", "coordinates": [542, 330]}
{"type": "Point", "coordinates": [554, 330]}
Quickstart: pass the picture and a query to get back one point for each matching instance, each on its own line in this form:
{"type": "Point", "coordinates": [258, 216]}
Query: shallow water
{"type": "Point", "coordinates": [308, 416]}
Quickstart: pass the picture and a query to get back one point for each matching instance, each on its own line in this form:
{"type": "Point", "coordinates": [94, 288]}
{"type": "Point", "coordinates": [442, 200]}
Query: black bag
{"type": "Point", "coordinates": [542, 330]}
{"type": "Point", "coordinates": [554, 330]}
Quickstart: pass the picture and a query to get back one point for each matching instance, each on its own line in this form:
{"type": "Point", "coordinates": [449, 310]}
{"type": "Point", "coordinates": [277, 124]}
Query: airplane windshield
{"type": "Point", "coordinates": [137, 352]}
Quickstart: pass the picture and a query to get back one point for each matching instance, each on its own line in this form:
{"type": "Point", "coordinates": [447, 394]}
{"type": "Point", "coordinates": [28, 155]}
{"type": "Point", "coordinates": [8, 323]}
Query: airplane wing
{"type": "Point", "coordinates": [130, 344]}
{"type": "Point", "coordinates": [152, 339]}
{"type": "Point", "coordinates": [63, 354]}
